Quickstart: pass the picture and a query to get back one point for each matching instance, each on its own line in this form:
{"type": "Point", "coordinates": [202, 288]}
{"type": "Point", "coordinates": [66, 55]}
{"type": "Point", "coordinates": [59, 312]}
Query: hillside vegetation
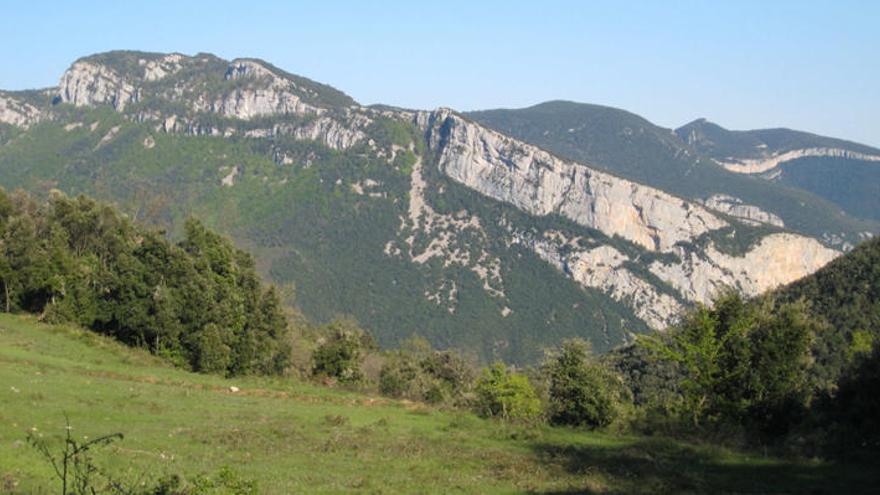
{"type": "Point", "coordinates": [289, 437]}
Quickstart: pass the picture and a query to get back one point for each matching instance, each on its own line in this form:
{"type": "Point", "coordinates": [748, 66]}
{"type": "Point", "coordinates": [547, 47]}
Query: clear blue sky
{"type": "Point", "coordinates": [808, 65]}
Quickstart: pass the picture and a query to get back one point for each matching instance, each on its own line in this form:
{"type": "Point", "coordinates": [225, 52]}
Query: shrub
{"type": "Point", "coordinates": [506, 395]}
{"type": "Point", "coordinates": [581, 393]}
{"type": "Point", "coordinates": [397, 377]}
{"type": "Point", "coordinates": [339, 354]}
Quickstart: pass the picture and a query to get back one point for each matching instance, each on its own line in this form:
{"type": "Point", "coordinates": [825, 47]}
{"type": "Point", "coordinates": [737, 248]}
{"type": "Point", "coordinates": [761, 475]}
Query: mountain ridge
{"type": "Point", "coordinates": [412, 221]}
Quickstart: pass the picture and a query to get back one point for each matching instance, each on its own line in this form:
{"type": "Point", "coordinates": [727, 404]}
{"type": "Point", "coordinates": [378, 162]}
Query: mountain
{"type": "Point", "coordinates": [422, 222]}
{"type": "Point", "coordinates": [630, 146]}
{"type": "Point", "coordinates": [845, 173]}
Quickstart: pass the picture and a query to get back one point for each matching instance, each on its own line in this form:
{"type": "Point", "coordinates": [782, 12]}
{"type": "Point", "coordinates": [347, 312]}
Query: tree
{"type": "Point", "coordinates": [582, 393]}
{"type": "Point", "coordinates": [742, 361]}
{"type": "Point", "coordinates": [507, 395]}
{"type": "Point", "coordinates": [339, 353]}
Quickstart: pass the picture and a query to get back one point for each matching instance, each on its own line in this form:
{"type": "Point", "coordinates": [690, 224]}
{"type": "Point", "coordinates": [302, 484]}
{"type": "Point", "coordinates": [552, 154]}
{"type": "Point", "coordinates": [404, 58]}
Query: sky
{"type": "Point", "coordinates": [808, 65]}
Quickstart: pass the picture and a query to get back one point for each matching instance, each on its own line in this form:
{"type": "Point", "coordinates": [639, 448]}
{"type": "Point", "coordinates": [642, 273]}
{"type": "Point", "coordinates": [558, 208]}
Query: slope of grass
{"type": "Point", "coordinates": [297, 438]}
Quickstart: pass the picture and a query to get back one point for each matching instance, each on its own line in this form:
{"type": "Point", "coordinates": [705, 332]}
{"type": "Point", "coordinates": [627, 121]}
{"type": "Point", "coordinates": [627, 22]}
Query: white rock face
{"type": "Point", "coordinates": [602, 268]}
{"type": "Point", "coordinates": [87, 83]}
{"type": "Point", "coordinates": [761, 165]}
{"type": "Point", "coordinates": [18, 113]}
{"type": "Point", "coordinates": [539, 183]}
{"type": "Point", "coordinates": [160, 68]}
{"type": "Point", "coordinates": [268, 94]}
{"type": "Point", "coordinates": [331, 133]}
{"type": "Point", "coordinates": [776, 260]}
{"type": "Point", "coordinates": [736, 208]}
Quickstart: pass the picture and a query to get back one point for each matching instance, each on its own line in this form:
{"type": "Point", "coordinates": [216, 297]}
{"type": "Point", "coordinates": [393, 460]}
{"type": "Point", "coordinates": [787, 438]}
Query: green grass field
{"type": "Point", "coordinates": [293, 437]}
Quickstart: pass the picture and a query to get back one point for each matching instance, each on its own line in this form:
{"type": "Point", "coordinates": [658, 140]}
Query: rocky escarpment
{"type": "Point", "coordinates": [16, 112]}
{"type": "Point", "coordinates": [241, 90]}
{"type": "Point", "coordinates": [736, 208]}
{"type": "Point", "coordinates": [264, 93]}
{"type": "Point", "coordinates": [87, 83]}
{"type": "Point", "coordinates": [768, 163]}
{"type": "Point", "coordinates": [777, 259]}
{"type": "Point", "coordinates": [539, 183]}
{"type": "Point", "coordinates": [604, 268]}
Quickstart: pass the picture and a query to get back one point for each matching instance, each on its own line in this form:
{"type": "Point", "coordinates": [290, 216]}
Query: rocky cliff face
{"type": "Point", "coordinates": [541, 184]}
{"type": "Point", "coordinates": [776, 260]}
{"type": "Point", "coordinates": [15, 112]}
{"type": "Point", "coordinates": [243, 89]}
{"type": "Point", "coordinates": [736, 208]}
{"type": "Point", "coordinates": [88, 83]}
{"type": "Point", "coordinates": [770, 162]}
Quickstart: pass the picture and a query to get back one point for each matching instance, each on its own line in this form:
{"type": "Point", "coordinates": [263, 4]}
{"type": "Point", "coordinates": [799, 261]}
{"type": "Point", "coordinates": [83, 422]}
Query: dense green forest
{"type": "Point", "coordinates": [199, 302]}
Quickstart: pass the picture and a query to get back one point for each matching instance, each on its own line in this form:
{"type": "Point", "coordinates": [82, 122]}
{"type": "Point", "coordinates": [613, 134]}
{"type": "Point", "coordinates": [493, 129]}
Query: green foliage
{"type": "Point", "coordinates": [341, 350]}
{"type": "Point", "coordinates": [296, 437]}
{"type": "Point", "coordinates": [505, 394]}
{"type": "Point", "coordinates": [418, 372]}
{"type": "Point", "coordinates": [581, 393]}
{"type": "Point", "coordinates": [846, 295]}
{"type": "Point", "coordinates": [74, 465]}
{"type": "Point", "coordinates": [742, 363]}
{"type": "Point", "coordinates": [852, 416]}
{"type": "Point", "coordinates": [199, 302]}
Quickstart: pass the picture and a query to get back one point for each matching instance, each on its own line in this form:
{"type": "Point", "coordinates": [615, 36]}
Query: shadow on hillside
{"type": "Point", "coordinates": [665, 466]}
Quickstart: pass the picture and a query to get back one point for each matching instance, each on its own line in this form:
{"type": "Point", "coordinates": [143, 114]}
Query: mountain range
{"type": "Point", "coordinates": [499, 232]}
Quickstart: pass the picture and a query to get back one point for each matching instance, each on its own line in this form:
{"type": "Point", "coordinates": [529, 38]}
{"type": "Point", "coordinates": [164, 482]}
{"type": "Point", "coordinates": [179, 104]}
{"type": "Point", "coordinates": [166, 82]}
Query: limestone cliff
{"type": "Point", "coordinates": [16, 112]}
{"type": "Point", "coordinates": [539, 183]}
{"type": "Point", "coordinates": [769, 162]}
{"type": "Point", "coordinates": [736, 208]}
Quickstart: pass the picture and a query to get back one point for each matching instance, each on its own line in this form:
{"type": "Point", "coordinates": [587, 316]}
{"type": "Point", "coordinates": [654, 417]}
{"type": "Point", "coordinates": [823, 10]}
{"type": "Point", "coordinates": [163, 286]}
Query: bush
{"type": "Point", "coordinates": [417, 372]}
{"type": "Point", "coordinates": [397, 377]}
{"type": "Point", "coordinates": [339, 354]}
{"type": "Point", "coordinates": [506, 395]}
{"type": "Point", "coordinates": [581, 393]}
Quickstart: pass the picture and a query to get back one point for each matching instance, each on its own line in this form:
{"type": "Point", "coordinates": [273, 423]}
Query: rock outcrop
{"type": "Point", "coordinates": [18, 113]}
{"type": "Point", "coordinates": [736, 208]}
{"type": "Point", "coordinates": [777, 259]}
{"type": "Point", "coordinates": [765, 164]}
{"type": "Point", "coordinates": [539, 183]}
{"type": "Point", "coordinates": [604, 268]}
{"type": "Point", "coordinates": [87, 83]}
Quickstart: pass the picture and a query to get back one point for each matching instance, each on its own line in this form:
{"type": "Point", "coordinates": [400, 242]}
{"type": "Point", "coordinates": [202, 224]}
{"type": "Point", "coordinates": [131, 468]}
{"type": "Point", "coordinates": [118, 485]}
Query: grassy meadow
{"type": "Point", "coordinates": [294, 437]}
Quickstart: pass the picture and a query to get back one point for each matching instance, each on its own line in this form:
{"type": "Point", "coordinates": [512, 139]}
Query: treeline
{"type": "Point", "coordinates": [198, 302]}
{"type": "Point", "coordinates": [741, 372]}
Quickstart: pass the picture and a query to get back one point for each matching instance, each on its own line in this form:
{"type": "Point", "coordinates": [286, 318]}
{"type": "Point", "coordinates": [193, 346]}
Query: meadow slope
{"type": "Point", "coordinates": [293, 437]}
